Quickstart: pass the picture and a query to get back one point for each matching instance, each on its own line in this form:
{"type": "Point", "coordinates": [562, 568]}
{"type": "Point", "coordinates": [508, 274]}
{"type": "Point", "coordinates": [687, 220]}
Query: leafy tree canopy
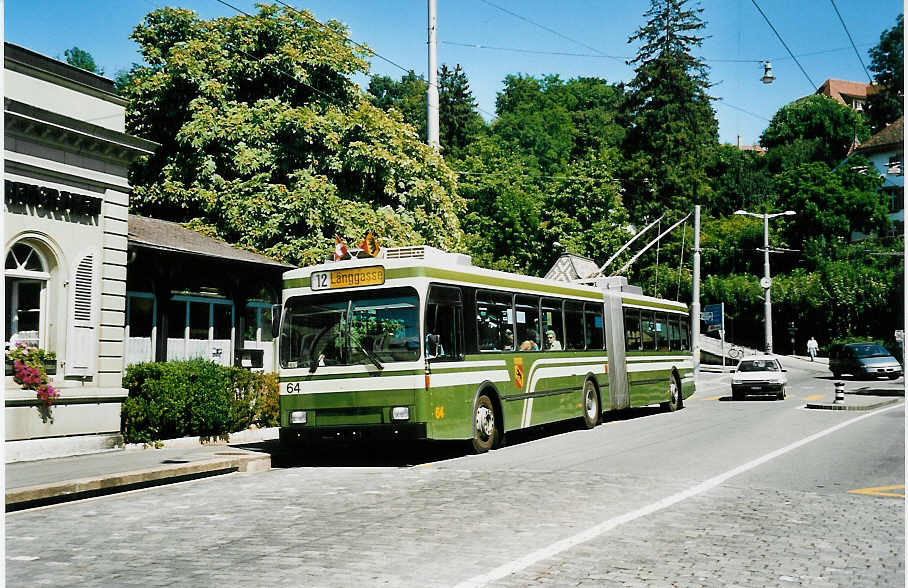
{"type": "Point", "coordinates": [815, 128]}
{"type": "Point", "coordinates": [672, 124]}
{"type": "Point", "coordinates": [408, 97]}
{"type": "Point", "coordinates": [267, 142]}
{"type": "Point", "coordinates": [83, 60]}
{"type": "Point", "coordinates": [887, 62]}
{"type": "Point", "coordinates": [831, 202]}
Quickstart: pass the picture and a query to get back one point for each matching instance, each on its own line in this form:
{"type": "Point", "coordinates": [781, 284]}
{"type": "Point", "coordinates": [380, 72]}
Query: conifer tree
{"type": "Point", "coordinates": [673, 128]}
{"type": "Point", "coordinates": [459, 122]}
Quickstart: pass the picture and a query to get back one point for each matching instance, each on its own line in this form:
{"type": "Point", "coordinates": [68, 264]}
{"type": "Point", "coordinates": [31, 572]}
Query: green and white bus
{"type": "Point", "coordinates": [420, 344]}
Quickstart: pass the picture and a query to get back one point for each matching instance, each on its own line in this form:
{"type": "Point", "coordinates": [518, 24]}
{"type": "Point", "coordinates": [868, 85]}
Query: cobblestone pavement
{"type": "Point", "coordinates": [439, 525]}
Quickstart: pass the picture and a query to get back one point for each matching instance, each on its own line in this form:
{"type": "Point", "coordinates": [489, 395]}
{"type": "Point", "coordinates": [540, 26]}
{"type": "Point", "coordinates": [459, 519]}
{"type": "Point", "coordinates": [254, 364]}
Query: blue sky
{"type": "Point", "coordinates": [739, 38]}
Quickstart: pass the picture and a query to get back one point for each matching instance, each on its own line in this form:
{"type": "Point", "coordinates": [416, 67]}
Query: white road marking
{"type": "Point", "coordinates": [607, 525]}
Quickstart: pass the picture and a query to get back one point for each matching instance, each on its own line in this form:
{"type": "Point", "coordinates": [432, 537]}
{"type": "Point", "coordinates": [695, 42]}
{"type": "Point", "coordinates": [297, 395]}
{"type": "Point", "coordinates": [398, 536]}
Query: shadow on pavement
{"type": "Point", "coordinates": [752, 398]}
{"type": "Point", "coordinates": [411, 453]}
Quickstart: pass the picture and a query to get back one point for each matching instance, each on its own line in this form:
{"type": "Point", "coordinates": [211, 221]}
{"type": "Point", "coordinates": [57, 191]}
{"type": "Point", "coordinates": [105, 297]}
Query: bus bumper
{"type": "Point", "coordinates": [353, 433]}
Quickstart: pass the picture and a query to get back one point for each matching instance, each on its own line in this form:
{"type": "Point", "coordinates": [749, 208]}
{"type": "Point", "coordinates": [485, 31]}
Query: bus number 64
{"type": "Point", "coordinates": [293, 387]}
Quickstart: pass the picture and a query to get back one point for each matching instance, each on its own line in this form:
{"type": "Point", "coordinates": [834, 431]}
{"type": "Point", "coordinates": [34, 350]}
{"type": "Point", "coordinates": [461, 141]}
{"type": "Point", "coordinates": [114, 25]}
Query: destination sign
{"type": "Point", "coordinates": [348, 278]}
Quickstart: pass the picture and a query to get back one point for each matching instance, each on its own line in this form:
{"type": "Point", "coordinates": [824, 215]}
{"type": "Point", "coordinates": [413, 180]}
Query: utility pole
{"type": "Point", "coordinates": [432, 94]}
{"type": "Point", "coordinates": [766, 281]}
{"type": "Point", "coordinates": [695, 303]}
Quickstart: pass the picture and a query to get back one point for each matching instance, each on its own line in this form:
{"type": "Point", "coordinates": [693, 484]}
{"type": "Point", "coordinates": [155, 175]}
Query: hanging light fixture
{"type": "Point", "coordinates": [767, 73]}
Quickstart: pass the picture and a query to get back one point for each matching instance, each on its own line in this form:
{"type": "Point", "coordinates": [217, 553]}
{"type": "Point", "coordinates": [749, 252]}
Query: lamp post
{"type": "Point", "coordinates": [766, 282]}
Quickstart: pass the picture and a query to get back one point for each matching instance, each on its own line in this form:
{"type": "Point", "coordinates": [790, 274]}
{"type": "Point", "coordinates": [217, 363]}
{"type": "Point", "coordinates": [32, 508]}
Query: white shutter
{"type": "Point", "coordinates": [82, 340]}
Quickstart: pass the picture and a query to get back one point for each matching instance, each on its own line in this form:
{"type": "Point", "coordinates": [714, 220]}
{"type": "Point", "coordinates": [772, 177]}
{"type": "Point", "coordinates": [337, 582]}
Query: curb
{"type": "Point", "coordinates": [853, 406]}
{"type": "Point", "coordinates": [57, 492]}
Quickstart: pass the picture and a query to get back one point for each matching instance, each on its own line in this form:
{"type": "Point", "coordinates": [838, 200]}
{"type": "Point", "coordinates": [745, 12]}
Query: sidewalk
{"type": "Point", "coordinates": [30, 484]}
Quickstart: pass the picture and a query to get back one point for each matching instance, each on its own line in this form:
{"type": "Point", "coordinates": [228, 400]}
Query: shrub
{"type": "Point", "coordinates": [194, 398]}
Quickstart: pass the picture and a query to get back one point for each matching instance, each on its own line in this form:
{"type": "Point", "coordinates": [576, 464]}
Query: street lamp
{"type": "Point", "coordinates": [766, 282]}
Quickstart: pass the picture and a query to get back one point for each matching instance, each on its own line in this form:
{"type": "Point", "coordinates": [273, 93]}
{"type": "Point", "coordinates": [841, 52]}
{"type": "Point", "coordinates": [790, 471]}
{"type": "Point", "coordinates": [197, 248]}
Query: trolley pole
{"type": "Point", "coordinates": [695, 303]}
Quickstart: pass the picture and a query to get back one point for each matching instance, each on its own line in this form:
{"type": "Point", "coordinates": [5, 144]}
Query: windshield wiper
{"type": "Point", "coordinates": [372, 357]}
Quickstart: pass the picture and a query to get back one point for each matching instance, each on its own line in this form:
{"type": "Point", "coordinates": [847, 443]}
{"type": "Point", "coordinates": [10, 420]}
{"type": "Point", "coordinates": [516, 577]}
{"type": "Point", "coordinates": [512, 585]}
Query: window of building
{"type": "Point", "coordinates": [26, 273]}
{"type": "Point", "coordinates": [894, 167]}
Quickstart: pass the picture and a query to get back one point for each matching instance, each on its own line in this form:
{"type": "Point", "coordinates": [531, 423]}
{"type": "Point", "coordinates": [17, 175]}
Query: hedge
{"type": "Point", "coordinates": [195, 398]}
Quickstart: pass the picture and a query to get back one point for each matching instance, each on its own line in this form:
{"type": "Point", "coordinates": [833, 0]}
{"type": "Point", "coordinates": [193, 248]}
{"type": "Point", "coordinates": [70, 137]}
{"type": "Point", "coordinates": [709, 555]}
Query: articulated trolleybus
{"type": "Point", "coordinates": [420, 344]}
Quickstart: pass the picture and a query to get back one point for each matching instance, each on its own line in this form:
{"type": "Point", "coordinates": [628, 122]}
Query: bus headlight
{"type": "Point", "coordinates": [298, 417]}
{"type": "Point", "coordinates": [400, 413]}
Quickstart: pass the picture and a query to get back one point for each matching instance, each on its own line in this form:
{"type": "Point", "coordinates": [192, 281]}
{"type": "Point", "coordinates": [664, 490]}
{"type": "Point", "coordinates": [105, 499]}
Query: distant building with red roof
{"type": "Point", "coordinates": [851, 94]}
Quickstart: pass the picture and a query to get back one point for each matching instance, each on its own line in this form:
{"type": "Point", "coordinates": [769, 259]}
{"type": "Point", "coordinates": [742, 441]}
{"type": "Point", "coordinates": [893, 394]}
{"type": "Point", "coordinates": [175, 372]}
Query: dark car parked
{"type": "Point", "coordinates": [867, 360]}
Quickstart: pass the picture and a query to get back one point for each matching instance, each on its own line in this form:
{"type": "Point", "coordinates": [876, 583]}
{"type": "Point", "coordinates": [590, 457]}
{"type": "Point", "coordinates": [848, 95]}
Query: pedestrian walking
{"type": "Point", "coordinates": [812, 347]}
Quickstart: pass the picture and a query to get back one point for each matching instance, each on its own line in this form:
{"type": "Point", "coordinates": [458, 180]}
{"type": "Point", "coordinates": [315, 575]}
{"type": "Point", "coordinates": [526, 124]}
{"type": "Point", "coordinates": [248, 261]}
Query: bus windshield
{"type": "Point", "coordinates": [350, 328]}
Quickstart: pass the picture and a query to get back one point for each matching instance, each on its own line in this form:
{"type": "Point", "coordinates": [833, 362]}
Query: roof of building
{"type": "Point", "coordinates": [570, 267]}
{"type": "Point", "coordinates": [838, 88]}
{"type": "Point", "coordinates": [15, 53]}
{"type": "Point", "coordinates": [169, 236]}
{"type": "Point", "coordinates": [892, 137]}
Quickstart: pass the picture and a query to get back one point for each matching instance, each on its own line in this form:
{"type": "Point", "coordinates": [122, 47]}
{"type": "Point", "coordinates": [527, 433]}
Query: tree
{"type": "Point", "coordinates": [532, 114]}
{"type": "Point", "coordinates": [83, 60]}
{"type": "Point", "coordinates": [815, 128]}
{"type": "Point", "coordinates": [833, 203]}
{"type": "Point", "coordinates": [887, 62]}
{"type": "Point", "coordinates": [672, 125]}
{"type": "Point", "coordinates": [504, 206]}
{"type": "Point", "coordinates": [268, 143]}
{"type": "Point", "coordinates": [739, 179]}
{"type": "Point", "coordinates": [408, 97]}
{"type": "Point", "coordinates": [458, 121]}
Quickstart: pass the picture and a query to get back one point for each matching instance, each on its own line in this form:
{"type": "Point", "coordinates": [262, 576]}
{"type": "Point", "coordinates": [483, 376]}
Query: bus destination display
{"type": "Point", "coordinates": [348, 278]}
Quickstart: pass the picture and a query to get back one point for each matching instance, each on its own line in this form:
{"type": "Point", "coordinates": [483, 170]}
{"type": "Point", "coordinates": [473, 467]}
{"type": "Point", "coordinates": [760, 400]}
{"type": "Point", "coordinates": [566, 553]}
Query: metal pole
{"type": "Point", "coordinates": [432, 94]}
{"type": "Point", "coordinates": [695, 303]}
{"type": "Point", "coordinates": [767, 286]}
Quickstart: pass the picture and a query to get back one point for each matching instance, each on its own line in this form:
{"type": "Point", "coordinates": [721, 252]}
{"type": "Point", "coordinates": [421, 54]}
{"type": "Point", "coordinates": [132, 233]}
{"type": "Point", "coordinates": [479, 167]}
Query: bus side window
{"type": "Point", "coordinates": [444, 323]}
{"type": "Point", "coordinates": [685, 334]}
{"type": "Point", "coordinates": [648, 330]}
{"type": "Point", "coordinates": [661, 331]}
{"type": "Point", "coordinates": [595, 325]}
{"type": "Point", "coordinates": [674, 335]}
{"type": "Point", "coordinates": [552, 327]}
{"type": "Point", "coordinates": [573, 324]}
{"type": "Point", "coordinates": [527, 319]}
{"type": "Point", "coordinates": [494, 321]}
{"type": "Point", "coordinates": [632, 340]}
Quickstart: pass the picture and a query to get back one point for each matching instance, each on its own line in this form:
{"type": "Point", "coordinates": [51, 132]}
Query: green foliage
{"type": "Point", "coordinates": [887, 62]}
{"type": "Point", "coordinates": [408, 97]}
{"type": "Point", "coordinates": [831, 202]}
{"type": "Point", "coordinates": [83, 60]}
{"type": "Point", "coordinates": [672, 124]}
{"type": "Point", "coordinates": [739, 180]}
{"type": "Point", "coordinates": [459, 124]}
{"type": "Point", "coordinates": [267, 143]}
{"type": "Point", "coordinates": [194, 398]}
{"type": "Point", "coordinates": [817, 127]}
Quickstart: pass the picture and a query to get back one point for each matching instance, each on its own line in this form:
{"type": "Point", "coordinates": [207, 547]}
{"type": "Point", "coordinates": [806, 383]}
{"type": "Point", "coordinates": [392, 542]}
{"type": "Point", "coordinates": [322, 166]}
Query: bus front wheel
{"type": "Point", "coordinates": [674, 395]}
{"type": "Point", "coordinates": [591, 406]}
{"type": "Point", "coordinates": [486, 431]}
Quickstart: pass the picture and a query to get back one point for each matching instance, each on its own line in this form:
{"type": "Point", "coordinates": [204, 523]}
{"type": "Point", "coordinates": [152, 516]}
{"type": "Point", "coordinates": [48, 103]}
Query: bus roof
{"type": "Point", "coordinates": [431, 263]}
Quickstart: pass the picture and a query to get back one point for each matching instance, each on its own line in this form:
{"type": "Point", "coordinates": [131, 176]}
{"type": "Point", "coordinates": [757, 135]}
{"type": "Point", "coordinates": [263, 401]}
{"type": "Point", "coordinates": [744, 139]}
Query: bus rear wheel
{"type": "Point", "coordinates": [486, 432]}
{"type": "Point", "coordinates": [674, 395]}
{"type": "Point", "coordinates": [591, 406]}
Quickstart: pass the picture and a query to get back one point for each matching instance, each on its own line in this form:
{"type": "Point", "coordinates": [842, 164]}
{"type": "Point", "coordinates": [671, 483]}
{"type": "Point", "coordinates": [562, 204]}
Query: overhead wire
{"type": "Point", "coordinates": [841, 20]}
{"type": "Point", "coordinates": [784, 44]}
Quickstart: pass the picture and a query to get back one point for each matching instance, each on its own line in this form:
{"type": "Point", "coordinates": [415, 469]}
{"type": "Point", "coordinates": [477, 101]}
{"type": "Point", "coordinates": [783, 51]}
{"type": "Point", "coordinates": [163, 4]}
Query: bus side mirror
{"type": "Point", "coordinates": [275, 320]}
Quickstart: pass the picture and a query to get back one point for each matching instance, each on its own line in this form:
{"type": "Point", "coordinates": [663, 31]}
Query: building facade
{"type": "Point", "coordinates": [66, 200]}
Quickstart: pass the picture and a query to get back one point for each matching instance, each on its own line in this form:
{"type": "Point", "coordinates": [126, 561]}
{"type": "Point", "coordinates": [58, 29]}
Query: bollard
{"type": "Point", "coordinates": [839, 393]}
